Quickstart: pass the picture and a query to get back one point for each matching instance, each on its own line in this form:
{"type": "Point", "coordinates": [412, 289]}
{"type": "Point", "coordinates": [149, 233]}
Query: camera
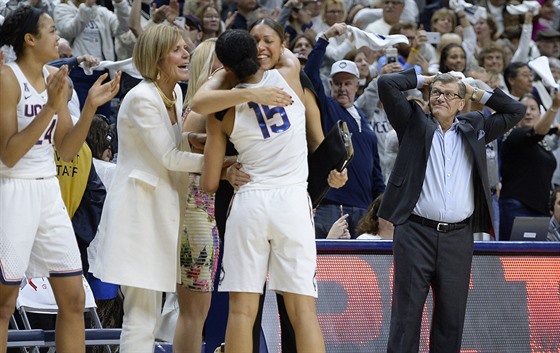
{"type": "Point", "coordinates": [392, 55]}
{"type": "Point", "coordinates": [180, 22]}
{"type": "Point", "coordinates": [433, 37]}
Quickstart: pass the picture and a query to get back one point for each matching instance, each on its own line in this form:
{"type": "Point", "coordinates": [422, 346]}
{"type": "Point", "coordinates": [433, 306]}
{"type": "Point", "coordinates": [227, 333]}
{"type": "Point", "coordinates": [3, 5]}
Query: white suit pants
{"type": "Point", "coordinates": [142, 312]}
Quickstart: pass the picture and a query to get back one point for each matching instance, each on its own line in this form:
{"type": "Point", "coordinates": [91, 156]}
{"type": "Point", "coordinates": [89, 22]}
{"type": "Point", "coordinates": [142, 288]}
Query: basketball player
{"type": "Point", "coordinates": [270, 227]}
{"type": "Point", "coordinates": [36, 235]}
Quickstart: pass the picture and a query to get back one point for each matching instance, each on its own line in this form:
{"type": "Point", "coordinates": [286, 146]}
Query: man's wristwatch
{"type": "Point", "coordinates": [474, 94]}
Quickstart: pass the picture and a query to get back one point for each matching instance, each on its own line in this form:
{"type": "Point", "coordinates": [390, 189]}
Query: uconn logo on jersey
{"type": "Point", "coordinates": [32, 110]}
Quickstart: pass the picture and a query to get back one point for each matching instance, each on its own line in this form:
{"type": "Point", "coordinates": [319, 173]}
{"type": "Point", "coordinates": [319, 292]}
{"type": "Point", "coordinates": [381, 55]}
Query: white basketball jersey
{"type": "Point", "coordinates": [38, 162]}
{"type": "Point", "coordinates": [271, 140]}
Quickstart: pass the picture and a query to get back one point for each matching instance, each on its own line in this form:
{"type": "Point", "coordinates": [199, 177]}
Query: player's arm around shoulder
{"type": "Point", "coordinates": [212, 92]}
{"type": "Point", "coordinates": [290, 70]}
{"type": "Point", "coordinates": [289, 65]}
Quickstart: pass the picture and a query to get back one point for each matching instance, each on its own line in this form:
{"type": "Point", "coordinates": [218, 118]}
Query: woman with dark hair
{"type": "Point", "coordinates": [270, 45]}
{"type": "Point", "coordinates": [301, 46]}
{"type": "Point", "coordinates": [527, 166]}
{"type": "Point", "coordinates": [216, 95]}
{"type": "Point", "coordinates": [278, 182]}
{"type": "Point", "coordinates": [453, 58]}
{"type": "Point", "coordinates": [371, 226]}
{"type": "Point", "coordinates": [40, 242]}
{"type": "Point", "coordinates": [100, 139]}
{"type": "Point", "coordinates": [299, 22]}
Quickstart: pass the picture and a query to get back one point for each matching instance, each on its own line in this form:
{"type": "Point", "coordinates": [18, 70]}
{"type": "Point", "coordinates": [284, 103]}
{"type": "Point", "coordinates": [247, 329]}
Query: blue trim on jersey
{"type": "Point", "coordinates": [9, 283]}
{"type": "Point", "coordinates": [66, 274]}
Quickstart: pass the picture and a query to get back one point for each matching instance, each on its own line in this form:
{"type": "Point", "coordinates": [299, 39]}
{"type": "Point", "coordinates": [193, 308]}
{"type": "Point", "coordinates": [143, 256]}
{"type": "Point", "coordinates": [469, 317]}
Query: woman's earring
{"type": "Point", "coordinates": [158, 76]}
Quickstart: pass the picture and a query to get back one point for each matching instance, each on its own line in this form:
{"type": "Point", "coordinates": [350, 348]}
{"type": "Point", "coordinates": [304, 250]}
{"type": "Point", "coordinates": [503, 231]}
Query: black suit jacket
{"type": "Point", "coordinates": [415, 131]}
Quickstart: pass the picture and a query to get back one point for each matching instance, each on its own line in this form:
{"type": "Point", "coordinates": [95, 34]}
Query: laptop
{"type": "Point", "coordinates": [530, 228]}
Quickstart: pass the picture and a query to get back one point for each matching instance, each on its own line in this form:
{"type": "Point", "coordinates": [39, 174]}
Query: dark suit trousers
{"type": "Point", "coordinates": [423, 257]}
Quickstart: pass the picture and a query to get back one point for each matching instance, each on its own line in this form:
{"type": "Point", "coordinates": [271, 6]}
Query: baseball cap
{"type": "Point", "coordinates": [345, 66]}
{"type": "Point", "coordinates": [548, 34]}
{"type": "Point", "coordinates": [193, 22]}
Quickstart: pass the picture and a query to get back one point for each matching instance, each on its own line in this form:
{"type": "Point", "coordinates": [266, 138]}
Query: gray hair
{"type": "Point", "coordinates": [554, 62]}
{"type": "Point", "coordinates": [448, 78]}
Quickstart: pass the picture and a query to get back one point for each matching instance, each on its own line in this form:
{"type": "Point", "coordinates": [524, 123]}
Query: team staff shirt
{"type": "Point", "coordinates": [283, 159]}
{"type": "Point", "coordinates": [39, 161]}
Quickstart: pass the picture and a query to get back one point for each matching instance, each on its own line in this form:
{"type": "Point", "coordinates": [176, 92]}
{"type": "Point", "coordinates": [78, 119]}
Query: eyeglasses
{"type": "Point", "coordinates": [527, 75]}
{"type": "Point", "coordinates": [435, 93]}
{"type": "Point", "coordinates": [334, 12]}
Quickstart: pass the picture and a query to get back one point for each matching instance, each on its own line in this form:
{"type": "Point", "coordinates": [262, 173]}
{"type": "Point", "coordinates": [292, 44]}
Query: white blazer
{"type": "Point", "coordinates": [138, 237]}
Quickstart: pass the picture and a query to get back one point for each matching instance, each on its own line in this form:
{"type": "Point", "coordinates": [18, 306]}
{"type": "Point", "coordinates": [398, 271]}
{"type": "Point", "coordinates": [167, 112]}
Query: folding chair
{"type": "Point", "coordinates": [36, 296]}
{"type": "Point", "coordinates": [24, 339]}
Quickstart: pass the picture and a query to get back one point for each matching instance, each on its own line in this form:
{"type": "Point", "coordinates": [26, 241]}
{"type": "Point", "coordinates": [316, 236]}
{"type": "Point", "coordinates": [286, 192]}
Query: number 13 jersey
{"type": "Point", "coordinates": [271, 141]}
{"type": "Point", "coordinates": [38, 162]}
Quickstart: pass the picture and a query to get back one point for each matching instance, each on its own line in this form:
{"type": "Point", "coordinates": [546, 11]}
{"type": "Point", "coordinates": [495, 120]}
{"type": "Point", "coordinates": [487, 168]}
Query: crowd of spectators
{"type": "Point", "coordinates": [508, 44]}
{"type": "Point", "coordinates": [490, 41]}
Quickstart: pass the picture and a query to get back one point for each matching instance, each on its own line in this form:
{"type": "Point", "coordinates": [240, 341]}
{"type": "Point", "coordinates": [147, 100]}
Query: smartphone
{"type": "Point", "coordinates": [180, 22]}
{"type": "Point", "coordinates": [392, 55]}
{"type": "Point", "coordinates": [341, 211]}
{"type": "Point", "coordinates": [433, 37]}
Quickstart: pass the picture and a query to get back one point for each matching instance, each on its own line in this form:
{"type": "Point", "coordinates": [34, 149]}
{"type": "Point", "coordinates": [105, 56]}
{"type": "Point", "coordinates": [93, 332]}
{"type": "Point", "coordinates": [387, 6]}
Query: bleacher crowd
{"type": "Point", "coordinates": [343, 47]}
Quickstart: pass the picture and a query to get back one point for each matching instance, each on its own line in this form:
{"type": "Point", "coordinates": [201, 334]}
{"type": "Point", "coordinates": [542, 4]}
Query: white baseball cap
{"type": "Point", "coordinates": [345, 66]}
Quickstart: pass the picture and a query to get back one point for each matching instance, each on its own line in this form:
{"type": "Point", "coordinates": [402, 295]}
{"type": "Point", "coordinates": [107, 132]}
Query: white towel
{"type": "Point", "coordinates": [374, 41]}
{"type": "Point", "coordinates": [123, 65]}
{"type": "Point", "coordinates": [542, 67]}
{"type": "Point", "coordinates": [524, 7]}
{"type": "Point", "coordinates": [457, 5]}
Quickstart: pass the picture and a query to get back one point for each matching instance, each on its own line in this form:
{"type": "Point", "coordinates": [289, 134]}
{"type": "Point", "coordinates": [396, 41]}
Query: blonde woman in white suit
{"type": "Point", "coordinates": [139, 231]}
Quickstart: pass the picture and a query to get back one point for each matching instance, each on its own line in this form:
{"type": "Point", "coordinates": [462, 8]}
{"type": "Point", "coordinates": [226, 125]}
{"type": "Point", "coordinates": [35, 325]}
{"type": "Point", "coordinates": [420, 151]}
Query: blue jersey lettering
{"type": "Point", "coordinates": [269, 114]}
